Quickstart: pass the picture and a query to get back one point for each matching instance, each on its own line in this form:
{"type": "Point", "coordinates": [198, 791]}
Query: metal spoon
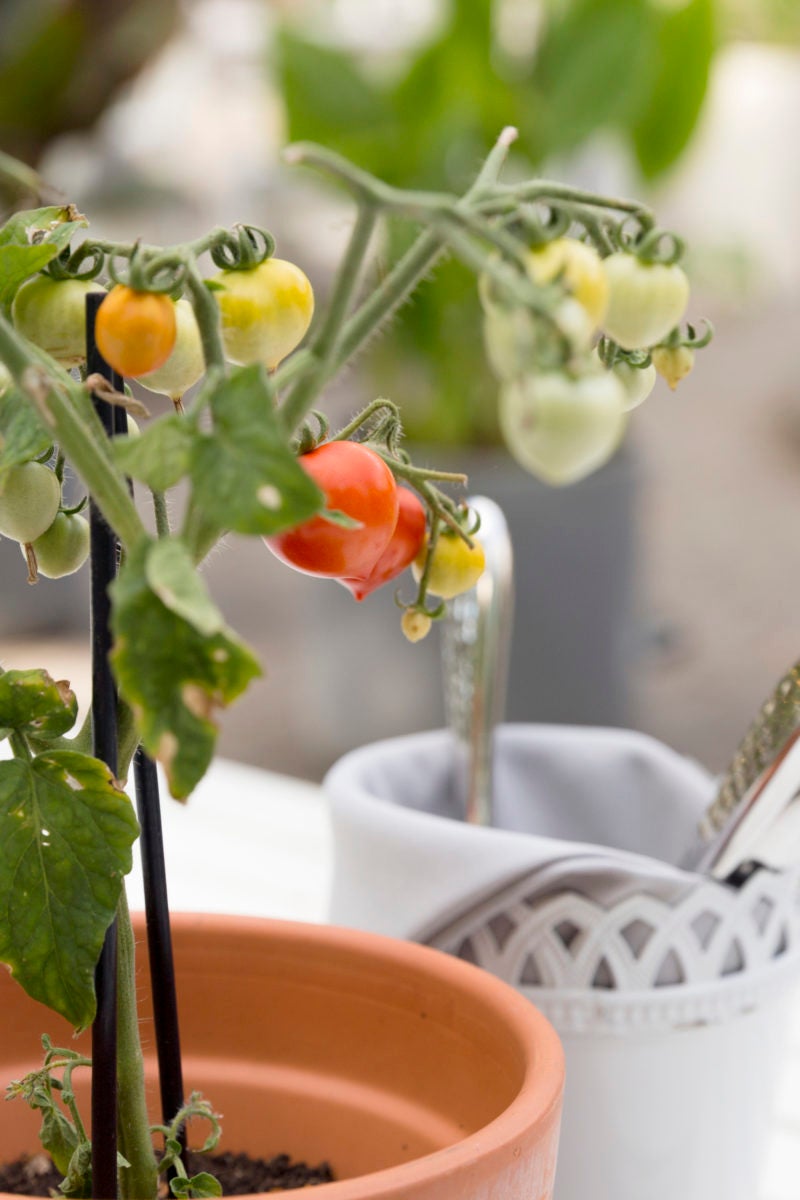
{"type": "Point", "coordinates": [476, 643]}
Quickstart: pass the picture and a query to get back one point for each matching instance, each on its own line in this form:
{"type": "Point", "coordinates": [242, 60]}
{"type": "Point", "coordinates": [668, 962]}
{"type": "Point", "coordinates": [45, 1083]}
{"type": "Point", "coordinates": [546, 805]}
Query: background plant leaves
{"type": "Point", "coordinates": [66, 832]}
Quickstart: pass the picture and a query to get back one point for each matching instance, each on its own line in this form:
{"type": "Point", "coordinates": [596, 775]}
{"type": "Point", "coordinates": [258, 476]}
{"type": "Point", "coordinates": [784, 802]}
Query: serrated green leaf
{"type": "Point", "coordinates": [174, 676]}
{"type": "Point", "coordinates": [158, 457]}
{"type": "Point", "coordinates": [66, 832]}
{"type": "Point", "coordinates": [245, 476]}
{"type": "Point", "coordinates": [23, 436]}
{"type": "Point", "coordinates": [35, 704]}
{"type": "Point", "coordinates": [172, 575]}
{"type": "Point", "coordinates": [58, 1137]}
{"type": "Point", "coordinates": [18, 263]}
{"type": "Point", "coordinates": [685, 48]}
{"type": "Point", "coordinates": [56, 224]}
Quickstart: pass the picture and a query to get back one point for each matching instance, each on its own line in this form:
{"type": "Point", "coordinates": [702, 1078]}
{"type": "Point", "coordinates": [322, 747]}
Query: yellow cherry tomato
{"type": "Point", "coordinates": [673, 363]}
{"type": "Point", "coordinates": [265, 311]}
{"type": "Point", "coordinates": [415, 625]}
{"type": "Point", "coordinates": [456, 567]}
{"type": "Point", "coordinates": [579, 267]}
{"type": "Point", "coordinates": [186, 363]}
{"type": "Point", "coordinates": [135, 331]}
{"type": "Point", "coordinates": [51, 313]}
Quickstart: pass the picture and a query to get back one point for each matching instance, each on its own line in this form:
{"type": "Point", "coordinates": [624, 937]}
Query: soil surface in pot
{"type": "Point", "coordinates": [238, 1174]}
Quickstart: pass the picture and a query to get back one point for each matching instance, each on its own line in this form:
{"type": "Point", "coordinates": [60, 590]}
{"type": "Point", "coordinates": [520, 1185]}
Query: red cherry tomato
{"type": "Point", "coordinates": [356, 481]}
{"type": "Point", "coordinates": [404, 545]}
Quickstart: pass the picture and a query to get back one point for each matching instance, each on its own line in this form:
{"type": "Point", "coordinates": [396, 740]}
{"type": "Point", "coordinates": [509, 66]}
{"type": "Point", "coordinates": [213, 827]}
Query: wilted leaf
{"type": "Point", "coordinates": [35, 704]}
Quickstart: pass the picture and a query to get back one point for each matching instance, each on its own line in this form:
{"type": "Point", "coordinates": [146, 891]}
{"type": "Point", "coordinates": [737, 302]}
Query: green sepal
{"type": "Point", "coordinates": [66, 832]}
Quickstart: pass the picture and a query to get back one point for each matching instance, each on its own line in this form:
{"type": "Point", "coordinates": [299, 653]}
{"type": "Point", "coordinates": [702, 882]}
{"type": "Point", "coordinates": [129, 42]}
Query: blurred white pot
{"type": "Point", "coordinates": [669, 991]}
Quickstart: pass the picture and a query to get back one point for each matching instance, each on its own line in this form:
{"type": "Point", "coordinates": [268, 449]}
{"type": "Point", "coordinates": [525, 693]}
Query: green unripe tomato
{"type": "Point", "coordinates": [64, 547]}
{"type": "Point", "coordinates": [646, 300]}
{"type": "Point", "coordinates": [562, 428]}
{"type": "Point", "coordinates": [52, 314]}
{"type": "Point", "coordinates": [186, 363]}
{"type": "Point", "coordinates": [265, 311]}
{"type": "Point", "coordinates": [637, 382]}
{"type": "Point", "coordinates": [29, 501]}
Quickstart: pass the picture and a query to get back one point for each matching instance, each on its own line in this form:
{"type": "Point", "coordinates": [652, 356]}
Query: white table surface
{"type": "Point", "coordinates": [259, 844]}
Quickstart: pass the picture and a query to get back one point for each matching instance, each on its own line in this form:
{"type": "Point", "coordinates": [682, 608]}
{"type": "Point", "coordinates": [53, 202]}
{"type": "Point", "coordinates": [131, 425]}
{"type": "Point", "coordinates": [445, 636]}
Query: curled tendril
{"type": "Point", "coordinates": [160, 273]}
{"type": "Point", "coordinates": [543, 222]}
{"type": "Point", "coordinates": [243, 247]}
{"type": "Point", "coordinates": [84, 263]}
{"type": "Point", "coordinates": [695, 340]}
{"type": "Point", "coordinates": [650, 244]}
{"type": "Point", "coordinates": [629, 233]}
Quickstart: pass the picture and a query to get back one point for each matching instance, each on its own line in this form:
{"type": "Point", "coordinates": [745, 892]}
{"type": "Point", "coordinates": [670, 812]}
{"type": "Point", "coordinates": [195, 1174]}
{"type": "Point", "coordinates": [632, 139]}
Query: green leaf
{"type": "Point", "coordinates": [172, 575]}
{"type": "Point", "coordinates": [55, 225]}
{"type": "Point", "coordinates": [201, 1185]}
{"type": "Point", "coordinates": [58, 1136]}
{"type": "Point", "coordinates": [66, 831]}
{"type": "Point", "coordinates": [33, 703]}
{"type": "Point", "coordinates": [77, 1185]}
{"type": "Point", "coordinates": [158, 457]}
{"type": "Point", "coordinates": [245, 476]}
{"type": "Point", "coordinates": [593, 69]}
{"type": "Point", "coordinates": [29, 241]}
{"type": "Point", "coordinates": [174, 675]}
{"type": "Point", "coordinates": [23, 436]}
{"type": "Point", "coordinates": [686, 45]}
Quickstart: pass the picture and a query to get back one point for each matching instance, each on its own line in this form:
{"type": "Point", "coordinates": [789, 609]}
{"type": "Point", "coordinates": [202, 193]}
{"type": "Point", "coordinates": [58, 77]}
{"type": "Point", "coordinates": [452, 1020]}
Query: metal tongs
{"type": "Point", "coordinates": [476, 642]}
{"type": "Point", "coordinates": [754, 820]}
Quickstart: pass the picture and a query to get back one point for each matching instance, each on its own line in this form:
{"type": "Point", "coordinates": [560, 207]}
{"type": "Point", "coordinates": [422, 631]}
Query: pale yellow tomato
{"type": "Point", "coordinates": [265, 311]}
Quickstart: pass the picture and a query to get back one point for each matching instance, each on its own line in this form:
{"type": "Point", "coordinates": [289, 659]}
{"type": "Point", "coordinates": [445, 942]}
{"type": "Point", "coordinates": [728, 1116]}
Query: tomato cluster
{"type": "Point", "coordinates": [55, 542]}
{"type": "Point", "coordinates": [564, 414]}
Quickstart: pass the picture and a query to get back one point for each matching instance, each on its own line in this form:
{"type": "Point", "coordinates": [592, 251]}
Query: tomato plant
{"type": "Point", "coordinates": [265, 310]}
{"type": "Point", "coordinates": [52, 314]}
{"type": "Point", "coordinates": [356, 482]}
{"type": "Point", "coordinates": [562, 428]}
{"type": "Point", "coordinates": [135, 331]}
{"type": "Point", "coordinates": [64, 547]}
{"type": "Point", "coordinates": [30, 496]}
{"type": "Point", "coordinates": [455, 565]}
{"type": "Point", "coordinates": [646, 300]}
{"type": "Point", "coordinates": [403, 547]}
{"type": "Point", "coordinates": [185, 364]}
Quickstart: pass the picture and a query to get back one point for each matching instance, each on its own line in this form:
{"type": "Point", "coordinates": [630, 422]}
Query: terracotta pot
{"type": "Point", "coordinates": [414, 1074]}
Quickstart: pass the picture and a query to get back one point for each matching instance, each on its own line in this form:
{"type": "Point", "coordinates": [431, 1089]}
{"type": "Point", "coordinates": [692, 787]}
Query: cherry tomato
{"type": "Point", "coordinates": [404, 544]}
{"type": "Point", "coordinates": [415, 624]}
{"type": "Point", "coordinates": [580, 269]}
{"type": "Point", "coordinates": [265, 311]}
{"type": "Point", "coordinates": [52, 314]}
{"type": "Point", "coordinates": [186, 363]}
{"type": "Point", "coordinates": [637, 382]}
{"type": "Point", "coordinates": [561, 428]}
{"type": "Point", "coordinates": [456, 567]}
{"type": "Point", "coordinates": [30, 496]}
{"type": "Point", "coordinates": [646, 300]}
{"type": "Point", "coordinates": [356, 481]}
{"type": "Point", "coordinates": [135, 331]}
{"type": "Point", "coordinates": [673, 363]}
{"type": "Point", "coordinates": [64, 547]}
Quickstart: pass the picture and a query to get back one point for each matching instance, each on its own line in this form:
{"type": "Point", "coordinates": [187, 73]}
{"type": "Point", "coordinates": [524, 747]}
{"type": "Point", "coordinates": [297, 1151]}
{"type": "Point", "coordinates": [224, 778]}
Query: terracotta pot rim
{"type": "Point", "coordinates": [538, 1041]}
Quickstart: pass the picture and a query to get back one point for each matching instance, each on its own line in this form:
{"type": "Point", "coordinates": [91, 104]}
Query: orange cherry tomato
{"type": "Point", "coordinates": [135, 331]}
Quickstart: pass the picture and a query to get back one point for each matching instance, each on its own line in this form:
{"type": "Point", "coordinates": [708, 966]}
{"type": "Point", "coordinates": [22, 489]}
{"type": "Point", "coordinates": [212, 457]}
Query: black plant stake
{"type": "Point", "coordinates": [104, 737]}
{"type": "Point", "coordinates": [159, 941]}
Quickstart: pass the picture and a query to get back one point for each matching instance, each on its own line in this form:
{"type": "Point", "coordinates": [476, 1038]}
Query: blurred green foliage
{"type": "Point", "coordinates": [61, 62]}
{"type": "Point", "coordinates": [636, 67]}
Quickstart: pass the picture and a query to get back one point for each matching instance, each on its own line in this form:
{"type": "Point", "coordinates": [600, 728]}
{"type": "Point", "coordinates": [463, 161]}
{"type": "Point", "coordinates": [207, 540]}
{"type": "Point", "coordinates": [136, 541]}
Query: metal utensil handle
{"type": "Point", "coordinates": [476, 643]}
